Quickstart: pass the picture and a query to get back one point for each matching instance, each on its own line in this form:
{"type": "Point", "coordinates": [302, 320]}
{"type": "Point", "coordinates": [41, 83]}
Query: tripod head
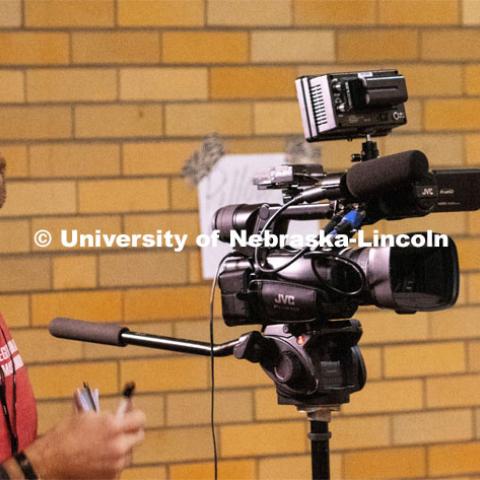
{"type": "Point", "coordinates": [319, 367]}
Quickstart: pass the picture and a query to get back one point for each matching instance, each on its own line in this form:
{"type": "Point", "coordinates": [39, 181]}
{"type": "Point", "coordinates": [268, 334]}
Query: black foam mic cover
{"type": "Point", "coordinates": [105, 333]}
{"type": "Point", "coordinates": [380, 175]}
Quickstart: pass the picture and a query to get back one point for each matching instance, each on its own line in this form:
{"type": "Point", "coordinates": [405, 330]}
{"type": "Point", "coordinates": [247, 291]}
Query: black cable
{"type": "Point", "coordinates": [258, 265]}
{"type": "Point", "coordinates": [303, 251]}
{"type": "Point", "coordinates": [212, 363]}
{"type": "Point", "coordinates": [346, 261]}
{"type": "Point", "coordinates": [299, 254]}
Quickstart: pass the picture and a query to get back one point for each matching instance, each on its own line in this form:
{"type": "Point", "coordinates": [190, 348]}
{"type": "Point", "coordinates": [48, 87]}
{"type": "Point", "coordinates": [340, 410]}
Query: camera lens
{"type": "Point", "coordinates": [223, 221]}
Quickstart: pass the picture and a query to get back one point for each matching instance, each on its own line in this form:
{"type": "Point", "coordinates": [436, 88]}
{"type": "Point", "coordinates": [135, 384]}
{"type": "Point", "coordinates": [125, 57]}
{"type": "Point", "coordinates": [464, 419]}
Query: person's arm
{"type": "Point", "coordinates": [87, 445]}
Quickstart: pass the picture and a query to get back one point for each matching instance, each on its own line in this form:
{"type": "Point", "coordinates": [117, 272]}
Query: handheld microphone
{"type": "Point", "coordinates": [104, 333]}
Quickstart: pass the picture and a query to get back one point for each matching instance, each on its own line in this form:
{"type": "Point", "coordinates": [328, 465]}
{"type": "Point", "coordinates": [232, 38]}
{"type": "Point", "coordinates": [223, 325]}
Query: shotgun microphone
{"type": "Point", "coordinates": [370, 178]}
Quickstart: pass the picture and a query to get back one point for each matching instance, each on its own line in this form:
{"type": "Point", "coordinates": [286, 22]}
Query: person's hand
{"type": "Point", "coordinates": [88, 445]}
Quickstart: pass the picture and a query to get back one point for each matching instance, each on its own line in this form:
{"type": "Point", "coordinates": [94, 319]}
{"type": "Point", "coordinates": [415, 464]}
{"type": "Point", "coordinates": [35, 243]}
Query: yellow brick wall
{"type": "Point", "coordinates": [101, 101]}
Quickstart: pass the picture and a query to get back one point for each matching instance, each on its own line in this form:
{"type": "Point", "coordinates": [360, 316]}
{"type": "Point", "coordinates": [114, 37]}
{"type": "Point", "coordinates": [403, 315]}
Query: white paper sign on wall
{"type": "Point", "coordinates": [230, 182]}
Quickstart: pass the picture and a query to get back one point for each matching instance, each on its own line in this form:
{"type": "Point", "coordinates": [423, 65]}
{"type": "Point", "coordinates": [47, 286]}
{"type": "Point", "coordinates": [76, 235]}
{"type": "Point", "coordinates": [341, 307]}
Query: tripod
{"type": "Point", "coordinates": [315, 370]}
{"type": "Point", "coordinates": [319, 439]}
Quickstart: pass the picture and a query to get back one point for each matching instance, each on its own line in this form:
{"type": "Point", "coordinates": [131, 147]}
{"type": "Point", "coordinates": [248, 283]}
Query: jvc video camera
{"type": "Point", "coordinates": [304, 297]}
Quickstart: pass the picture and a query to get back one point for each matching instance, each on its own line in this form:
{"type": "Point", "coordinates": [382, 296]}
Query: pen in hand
{"type": "Point", "coordinates": [126, 400]}
{"type": "Point", "coordinates": [90, 396]}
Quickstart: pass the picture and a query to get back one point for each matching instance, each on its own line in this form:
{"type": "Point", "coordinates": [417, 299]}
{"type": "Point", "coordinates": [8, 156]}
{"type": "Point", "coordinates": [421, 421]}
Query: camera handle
{"type": "Point", "coordinates": [177, 344]}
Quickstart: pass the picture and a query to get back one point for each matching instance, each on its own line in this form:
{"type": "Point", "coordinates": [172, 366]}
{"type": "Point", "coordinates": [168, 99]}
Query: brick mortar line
{"type": "Point", "coordinates": [249, 422]}
{"type": "Point", "coordinates": [110, 288]}
{"type": "Point", "coordinates": [85, 216]}
{"type": "Point", "coordinates": [199, 137]}
{"type": "Point", "coordinates": [391, 434]}
{"type": "Point", "coordinates": [118, 85]}
{"type": "Point", "coordinates": [170, 356]}
{"type": "Point", "coordinates": [337, 451]}
{"type": "Point", "coordinates": [206, 24]}
{"type": "Point", "coordinates": [426, 446]}
{"type": "Point", "coordinates": [466, 356]}
{"type": "Point", "coordinates": [164, 119]}
{"type": "Point", "coordinates": [256, 387]}
{"type": "Point", "coordinates": [201, 102]}
{"type": "Point", "coordinates": [87, 251]}
{"type": "Point", "coordinates": [382, 361]}
{"type": "Point", "coordinates": [185, 284]}
{"type": "Point", "coordinates": [258, 457]}
{"type": "Point", "coordinates": [160, 47]}
{"type": "Point", "coordinates": [246, 423]}
{"type": "Point", "coordinates": [51, 273]}
{"type": "Point", "coordinates": [420, 341]}
{"type": "Point", "coordinates": [475, 422]}
{"type": "Point", "coordinates": [97, 281]}
{"type": "Point", "coordinates": [170, 198]}
{"type": "Point", "coordinates": [163, 398]}
{"type": "Point", "coordinates": [115, 141]}
{"type": "Point", "coordinates": [377, 12]}
{"type": "Point", "coordinates": [70, 47]}
{"type": "Point", "coordinates": [425, 406]}
{"type": "Point", "coordinates": [419, 43]}
{"type": "Point", "coordinates": [92, 178]}
{"type": "Point", "coordinates": [372, 62]}
{"type": "Point", "coordinates": [152, 176]}
{"type": "Point", "coordinates": [116, 14]}
{"type": "Point", "coordinates": [260, 28]}
{"type": "Point", "coordinates": [110, 141]}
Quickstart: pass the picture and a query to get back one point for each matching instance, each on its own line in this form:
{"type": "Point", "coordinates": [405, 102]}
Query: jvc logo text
{"type": "Point", "coordinates": [428, 192]}
{"type": "Point", "coordinates": [283, 299]}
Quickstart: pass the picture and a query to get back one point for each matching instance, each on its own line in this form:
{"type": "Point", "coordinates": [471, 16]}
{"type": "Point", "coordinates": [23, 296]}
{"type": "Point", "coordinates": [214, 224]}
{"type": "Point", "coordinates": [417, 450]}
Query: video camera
{"type": "Point", "coordinates": [337, 281]}
{"type": "Point", "coordinates": [304, 298]}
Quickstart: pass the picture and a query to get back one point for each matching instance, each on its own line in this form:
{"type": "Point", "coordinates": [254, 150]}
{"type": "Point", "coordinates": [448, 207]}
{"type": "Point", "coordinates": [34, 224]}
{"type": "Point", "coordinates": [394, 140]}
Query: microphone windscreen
{"type": "Point", "coordinates": [105, 333]}
{"type": "Point", "coordinates": [380, 175]}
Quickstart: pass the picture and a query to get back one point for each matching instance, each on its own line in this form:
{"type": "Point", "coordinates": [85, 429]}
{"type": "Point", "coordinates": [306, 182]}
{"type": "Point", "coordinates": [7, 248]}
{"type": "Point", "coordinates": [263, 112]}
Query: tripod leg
{"type": "Point", "coordinates": [319, 437]}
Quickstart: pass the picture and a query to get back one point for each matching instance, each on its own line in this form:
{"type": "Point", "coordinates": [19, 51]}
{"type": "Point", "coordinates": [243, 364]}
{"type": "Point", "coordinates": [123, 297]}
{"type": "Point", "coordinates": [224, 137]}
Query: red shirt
{"type": "Point", "coordinates": [25, 412]}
